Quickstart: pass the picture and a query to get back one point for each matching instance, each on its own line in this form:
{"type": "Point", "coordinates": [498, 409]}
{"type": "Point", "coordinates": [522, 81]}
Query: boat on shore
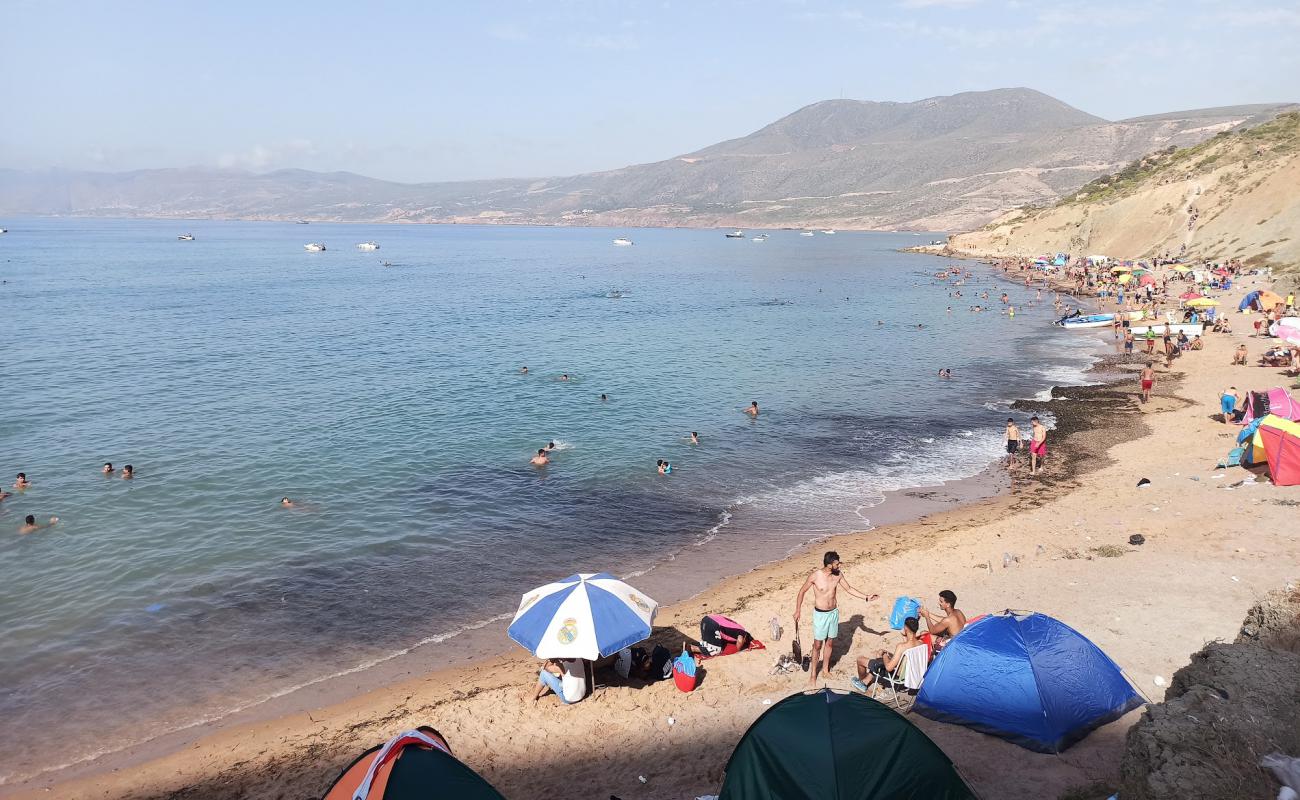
{"type": "Point", "coordinates": [1079, 321]}
{"type": "Point", "coordinates": [735, 235]}
{"type": "Point", "coordinates": [368, 246]}
{"type": "Point", "coordinates": [186, 237]}
{"type": "Point", "coordinates": [314, 247]}
{"type": "Point", "coordinates": [623, 242]}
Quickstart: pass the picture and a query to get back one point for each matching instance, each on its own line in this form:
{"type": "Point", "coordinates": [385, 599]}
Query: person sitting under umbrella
{"type": "Point", "coordinates": [566, 677]}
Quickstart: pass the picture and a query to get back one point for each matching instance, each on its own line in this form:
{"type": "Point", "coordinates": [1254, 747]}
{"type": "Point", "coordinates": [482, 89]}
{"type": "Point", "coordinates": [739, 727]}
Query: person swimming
{"type": "Point", "coordinates": [523, 370]}
{"type": "Point", "coordinates": [107, 469]}
{"type": "Point", "coordinates": [753, 409]}
{"type": "Point", "coordinates": [128, 472]}
{"type": "Point", "coordinates": [668, 468]}
{"type": "Point", "coordinates": [287, 503]}
{"type": "Point", "coordinates": [29, 524]}
{"type": "Point", "coordinates": [541, 459]}
{"type": "Point", "coordinates": [550, 447]}
{"type": "Point", "coordinates": [564, 376]}
{"type": "Point", "coordinates": [695, 437]}
{"type": "Point", "coordinates": [603, 398]}
{"type": "Point", "coordinates": [21, 481]}
{"type": "Point", "coordinates": [659, 466]}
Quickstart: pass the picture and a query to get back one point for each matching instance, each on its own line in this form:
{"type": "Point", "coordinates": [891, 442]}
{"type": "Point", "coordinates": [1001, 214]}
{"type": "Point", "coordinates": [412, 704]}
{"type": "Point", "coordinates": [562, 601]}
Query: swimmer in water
{"type": "Point", "coordinates": [550, 446]}
{"type": "Point", "coordinates": [603, 398]}
{"type": "Point", "coordinates": [29, 524]}
{"type": "Point", "coordinates": [286, 503]}
{"type": "Point", "coordinates": [128, 472]}
{"type": "Point", "coordinates": [659, 466]}
{"type": "Point", "coordinates": [695, 437]}
{"type": "Point", "coordinates": [540, 460]}
{"type": "Point", "coordinates": [21, 481]}
{"type": "Point", "coordinates": [564, 377]}
{"type": "Point", "coordinates": [753, 409]}
{"type": "Point", "coordinates": [108, 468]}
{"type": "Point", "coordinates": [523, 370]}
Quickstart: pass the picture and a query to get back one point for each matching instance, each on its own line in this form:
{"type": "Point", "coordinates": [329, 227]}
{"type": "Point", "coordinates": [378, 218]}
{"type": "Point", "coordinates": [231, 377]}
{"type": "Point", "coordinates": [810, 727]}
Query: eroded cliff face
{"type": "Point", "coordinates": [1233, 704]}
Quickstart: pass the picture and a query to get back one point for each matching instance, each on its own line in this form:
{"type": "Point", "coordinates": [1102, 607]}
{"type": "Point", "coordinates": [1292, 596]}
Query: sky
{"type": "Point", "coordinates": [443, 90]}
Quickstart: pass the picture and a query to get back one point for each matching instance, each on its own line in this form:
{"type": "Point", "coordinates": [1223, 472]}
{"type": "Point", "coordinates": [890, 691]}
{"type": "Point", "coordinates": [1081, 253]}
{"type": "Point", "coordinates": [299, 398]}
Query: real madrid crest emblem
{"type": "Point", "coordinates": [568, 631]}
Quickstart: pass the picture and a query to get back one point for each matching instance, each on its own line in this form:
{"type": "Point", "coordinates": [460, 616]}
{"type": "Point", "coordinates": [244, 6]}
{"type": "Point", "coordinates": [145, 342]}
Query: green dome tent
{"type": "Point", "coordinates": [828, 746]}
{"type": "Point", "coordinates": [413, 765]}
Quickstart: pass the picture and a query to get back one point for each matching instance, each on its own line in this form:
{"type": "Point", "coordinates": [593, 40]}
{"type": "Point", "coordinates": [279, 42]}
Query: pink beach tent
{"type": "Point", "coordinates": [1280, 404]}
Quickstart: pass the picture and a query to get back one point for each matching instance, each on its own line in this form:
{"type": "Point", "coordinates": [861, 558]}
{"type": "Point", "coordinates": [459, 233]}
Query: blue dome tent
{"type": "Point", "coordinates": [1028, 678]}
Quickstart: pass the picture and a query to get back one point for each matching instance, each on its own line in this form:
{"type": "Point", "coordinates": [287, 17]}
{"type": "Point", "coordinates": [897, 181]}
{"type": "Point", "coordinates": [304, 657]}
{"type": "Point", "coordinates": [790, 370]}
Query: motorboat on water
{"type": "Point", "coordinates": [315, 247]}
{"type": "Point", "coordinates": [368, 246]}
{"type": "Point", "coordinates": [807, 233]}
{"type": "Point", "coordinates": [302, 222]}
{"type": "Point", "coordinates": [186, 237]}
{"type": "Point", "coordinates": [622, 242]}
{"type": "Point", "coordinates": [4, 230]}
{"type": "Point", "coordinates": [736, 235]}
{"type": "Point", "coordinates": [762, 237]}
{"type": "Point", "coordinates": [829, 232]}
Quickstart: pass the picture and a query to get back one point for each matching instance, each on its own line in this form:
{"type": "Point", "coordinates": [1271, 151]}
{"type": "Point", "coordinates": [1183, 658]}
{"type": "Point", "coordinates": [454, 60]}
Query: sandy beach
{"type": "Point", "coordinates": [1213, 547]}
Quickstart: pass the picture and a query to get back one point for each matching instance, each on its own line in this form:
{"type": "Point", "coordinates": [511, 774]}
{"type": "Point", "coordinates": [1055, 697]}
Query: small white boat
{"type": "Point", "coordinates": [367, 246]}
{"type": "Point", "coordinates": [4, 230]}
{"type": "Point", "coordinates": [621, 242]}
{"type": "Point", "coordinates": [806, 233]}
{"type": "Point", "coordinates": [186, 237]}
{"type": "Point", "coordinates": [735, 235]}
{"type": "Point", "coordinates": [303, 222]}
{"type": "Point", "coordinates": [314, 247]}
{"type": "Point", "coordinates": [829, 232]}
{"type": "Point", "coordinates": [762, 237]}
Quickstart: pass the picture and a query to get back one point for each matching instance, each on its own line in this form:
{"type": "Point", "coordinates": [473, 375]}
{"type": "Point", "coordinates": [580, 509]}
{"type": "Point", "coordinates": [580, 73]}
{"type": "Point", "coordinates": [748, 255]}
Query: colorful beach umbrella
{"type": "Point", "coordinates": [1190, 295]}
{"type": "Point", "coordinates": [1146, 278]}
{"type": "Point", "coordinates": [1124, 278]}
{"type": "Point", "coordinates": [1181, 268]}
{"type": "Point", "coordinates": [588, 615]}
{"type": "Point", "coordinates": [1202, 302]}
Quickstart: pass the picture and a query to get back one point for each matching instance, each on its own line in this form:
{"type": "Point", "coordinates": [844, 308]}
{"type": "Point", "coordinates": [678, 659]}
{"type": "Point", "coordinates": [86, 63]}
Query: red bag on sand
{"type": "Point", "coordinates": [684, 672]}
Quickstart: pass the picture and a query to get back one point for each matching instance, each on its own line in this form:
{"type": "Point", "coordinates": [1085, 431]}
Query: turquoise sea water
{"type": "Point", "coordinates": [388, 401]}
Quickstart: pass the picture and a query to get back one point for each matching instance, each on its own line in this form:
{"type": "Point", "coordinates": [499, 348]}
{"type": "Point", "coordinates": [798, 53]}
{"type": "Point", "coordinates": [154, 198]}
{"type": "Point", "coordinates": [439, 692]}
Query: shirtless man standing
{"type": "Point", "coordinates": [1013, 442]}
{"type": "Point", "coordinates": [826, 613]}
{"type": "Point", "coordinates": [753, 409]}
{"type": "Point", "coordinates": [1148, 379]}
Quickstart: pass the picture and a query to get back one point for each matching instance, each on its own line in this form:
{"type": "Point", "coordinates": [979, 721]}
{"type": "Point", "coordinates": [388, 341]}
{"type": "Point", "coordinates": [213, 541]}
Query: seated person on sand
{"type": "Point", "coordinates": [947, 626]}
{"type": "Point", "coordinates": [1197, 344]}
{"type": "Point", "coordinates": [1240, 356]}
{"type": "Point", "coordinates": [566, 677]}
{"type": "Point", "coordinates": [716, 633]}
{"type": "Point", "coordinates": [1276, 357]}
{"type": "Point", "coordinates": [874, 669]}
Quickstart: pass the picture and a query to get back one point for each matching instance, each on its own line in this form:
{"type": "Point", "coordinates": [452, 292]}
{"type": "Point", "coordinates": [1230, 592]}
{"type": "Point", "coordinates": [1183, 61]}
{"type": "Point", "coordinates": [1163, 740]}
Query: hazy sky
{"type": "Point", "coordinates": [441, 90]}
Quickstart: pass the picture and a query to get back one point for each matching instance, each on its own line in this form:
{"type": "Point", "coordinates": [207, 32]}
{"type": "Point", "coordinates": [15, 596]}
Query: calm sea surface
{"type": "Point", "coordinates": [388, 401]}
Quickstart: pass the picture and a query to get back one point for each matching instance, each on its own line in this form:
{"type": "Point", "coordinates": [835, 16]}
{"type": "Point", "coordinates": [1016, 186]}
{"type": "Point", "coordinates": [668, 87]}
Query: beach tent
{"type": "Point", "coordinates": [1260, 301]}
{"type": "Point", "coordinates": [1251, 444]}
{"type": "Point", "coordinates": [1146, 278]}
{"type": "Point", "coordinates": [1282, 449]}
{"type": "Point", "coordinates": [1276, 401]}
{"type": "Point", "coordinates": [1028, 678]}
{"type": "Point", "coordinates": [830, 746]}
{"type": "Point", "coordinates": [1248, 301]}
{"type": "Point", "coordinates": [588, 615]}
{"type": "Point", "coordinates": [1190, 295]}
{"type": "Point", "coordinates": [414, 765]}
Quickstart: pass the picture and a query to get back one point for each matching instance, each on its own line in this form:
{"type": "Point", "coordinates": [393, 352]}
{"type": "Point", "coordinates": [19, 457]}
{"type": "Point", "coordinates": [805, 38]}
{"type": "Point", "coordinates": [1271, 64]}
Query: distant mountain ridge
{"type": "Point", "coordinates": [943, 163]}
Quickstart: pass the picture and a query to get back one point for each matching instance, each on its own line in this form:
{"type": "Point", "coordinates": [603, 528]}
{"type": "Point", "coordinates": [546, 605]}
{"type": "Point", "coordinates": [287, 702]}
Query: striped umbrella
{"type": "Point", "coordinates": [588, 615]}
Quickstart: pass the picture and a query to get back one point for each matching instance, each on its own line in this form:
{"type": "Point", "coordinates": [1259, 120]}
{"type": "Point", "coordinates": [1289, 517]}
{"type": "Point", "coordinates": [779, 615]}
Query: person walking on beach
{"type": "Point", "coordinates": [1151, 339]}
{"type": "Point", "coordinates": [826, 612]}
{"type": "Point", "coordinates": [1013, 442]}
{"type": "Point", "coordinates": [1037, 445]}
{"type": "Point", "coordinates": [1128, 345]}
{"type": "Point", "coordinates": [1148, 379]}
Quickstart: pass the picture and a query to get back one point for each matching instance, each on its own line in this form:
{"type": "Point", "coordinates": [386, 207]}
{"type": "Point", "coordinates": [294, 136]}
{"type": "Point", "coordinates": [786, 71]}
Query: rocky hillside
{"type": "Point", "coordinates": [943, 163]}
{"type": "Point", "coordinates": [1233, 196]}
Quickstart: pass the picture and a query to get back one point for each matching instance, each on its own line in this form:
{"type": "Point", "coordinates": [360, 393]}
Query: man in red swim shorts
{"type": "Point", "coordinates": [1148, 381]}
{"type": "Point", "coordinates": [1037, 445]}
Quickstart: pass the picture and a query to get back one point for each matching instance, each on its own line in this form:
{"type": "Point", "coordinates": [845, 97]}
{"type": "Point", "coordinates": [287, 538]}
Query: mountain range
{"type": "Point", "coordinates": [944, 163]}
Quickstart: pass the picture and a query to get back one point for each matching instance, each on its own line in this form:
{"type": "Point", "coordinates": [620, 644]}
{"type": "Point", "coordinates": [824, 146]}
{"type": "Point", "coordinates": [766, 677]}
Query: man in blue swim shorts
{"type": "Point", "coordinates": [826, 613]}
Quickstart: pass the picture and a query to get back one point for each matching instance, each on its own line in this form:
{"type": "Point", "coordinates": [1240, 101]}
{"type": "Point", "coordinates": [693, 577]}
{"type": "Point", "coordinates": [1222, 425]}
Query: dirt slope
{"type": "Point", "coordinates": [1236, 195]}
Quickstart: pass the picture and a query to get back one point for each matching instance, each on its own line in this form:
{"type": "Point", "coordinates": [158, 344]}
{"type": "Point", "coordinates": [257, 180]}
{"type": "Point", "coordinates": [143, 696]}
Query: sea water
{"type": "Point", "coordinates": [383, 392]}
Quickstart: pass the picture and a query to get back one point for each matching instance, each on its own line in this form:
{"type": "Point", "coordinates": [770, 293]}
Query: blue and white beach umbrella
{"type": "Point", "coordinates": [583, 616]}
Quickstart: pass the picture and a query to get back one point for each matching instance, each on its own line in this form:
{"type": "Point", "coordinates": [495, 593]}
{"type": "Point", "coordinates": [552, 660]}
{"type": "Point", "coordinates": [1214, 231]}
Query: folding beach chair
{"type": "Point", "coordinates": [908, 674]}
